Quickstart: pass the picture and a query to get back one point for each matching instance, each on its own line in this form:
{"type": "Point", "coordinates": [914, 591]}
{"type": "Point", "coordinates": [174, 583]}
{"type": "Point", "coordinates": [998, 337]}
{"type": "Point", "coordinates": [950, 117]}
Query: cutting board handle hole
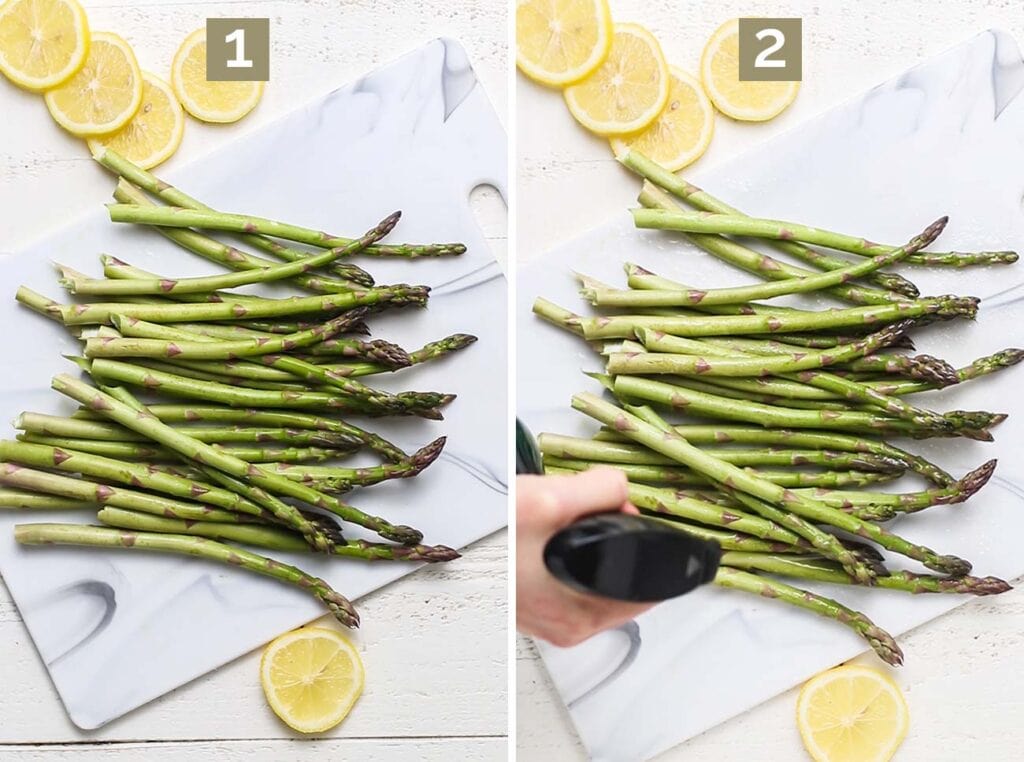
{"type": "Point", "coordinates": [491, 214]}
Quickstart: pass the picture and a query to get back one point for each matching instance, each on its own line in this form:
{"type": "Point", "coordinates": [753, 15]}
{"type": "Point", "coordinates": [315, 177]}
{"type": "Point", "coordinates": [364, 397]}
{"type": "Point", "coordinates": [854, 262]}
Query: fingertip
{"type": "Point", "coordinates": [616, 484]}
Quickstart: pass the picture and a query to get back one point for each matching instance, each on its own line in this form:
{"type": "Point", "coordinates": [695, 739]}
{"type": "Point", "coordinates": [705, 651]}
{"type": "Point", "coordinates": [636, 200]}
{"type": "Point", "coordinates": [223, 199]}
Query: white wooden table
{"type": "Point", "coordinates": [434, 643]}
{"type": "Point", "coordinates": [965, 682]}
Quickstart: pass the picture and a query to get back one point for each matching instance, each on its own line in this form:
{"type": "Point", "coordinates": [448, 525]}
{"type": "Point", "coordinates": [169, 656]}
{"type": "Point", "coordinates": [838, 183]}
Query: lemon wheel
{"type": "Point", "coordinates": [42, 42]}
{"type": "Point", "coordinates": [154, 133]}
{"type": "Point", "coordinates": [217, 102]}
{"type": "Point", "coordinates": [559, 42]}
{"type": "Point", "coordinates": [311, 678]}
{"type": "Point", "coordinates": [104, 94]}
{"type": "Point", "coordinates": [852, 714]}
{"type": "Point", "coordinates": [682, 132]}
{"type": "Point", "coordinates": [628, 91]}
{"type": "Point", "coordinates": [720, 73]}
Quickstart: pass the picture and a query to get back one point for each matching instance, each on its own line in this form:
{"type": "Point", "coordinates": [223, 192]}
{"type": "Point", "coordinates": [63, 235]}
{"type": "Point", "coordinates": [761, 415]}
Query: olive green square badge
{"type": "Point", "coordinates": [237, 50]}
{"type": "Point", "coordinates": [771, 50]}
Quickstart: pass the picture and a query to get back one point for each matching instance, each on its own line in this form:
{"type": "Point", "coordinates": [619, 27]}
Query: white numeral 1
{"type": "Point", "coordinates": [240, 61]}
{"type": "Point", "coordinates": [763, 61]}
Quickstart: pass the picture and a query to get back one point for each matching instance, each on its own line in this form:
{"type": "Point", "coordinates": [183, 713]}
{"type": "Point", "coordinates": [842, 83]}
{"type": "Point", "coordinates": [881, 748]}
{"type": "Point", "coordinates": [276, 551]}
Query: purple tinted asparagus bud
{"type": "Point", "coordinates": [425, 456]}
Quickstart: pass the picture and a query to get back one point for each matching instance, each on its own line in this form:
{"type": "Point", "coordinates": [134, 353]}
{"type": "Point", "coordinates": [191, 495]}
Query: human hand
{"type": "Point", "coordinates": [545, 607]}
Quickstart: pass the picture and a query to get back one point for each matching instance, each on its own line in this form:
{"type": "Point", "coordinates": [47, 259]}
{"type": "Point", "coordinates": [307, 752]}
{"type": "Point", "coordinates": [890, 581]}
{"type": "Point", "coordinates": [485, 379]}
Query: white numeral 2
{"type": "Point", "coordinates": [763, 61]}
{"type": "Point", "coordinates": [241, 62]}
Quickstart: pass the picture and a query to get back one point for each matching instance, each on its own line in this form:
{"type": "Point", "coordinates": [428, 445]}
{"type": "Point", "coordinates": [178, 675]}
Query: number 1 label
{"type": "Point", "coordinates": [239, 61]}
{"type": "Point", "coordinates": [237, 50]}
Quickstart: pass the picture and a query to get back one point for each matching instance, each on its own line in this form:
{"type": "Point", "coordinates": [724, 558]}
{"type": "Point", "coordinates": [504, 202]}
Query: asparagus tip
{"type": "Point", "coordinates": [987, 585]}
{"type": "Point", "coordinates": [952, 565]}
{"type": "Point", "coordinates": [339, 605]}
{"type": "Point", "coordinates": [426, 455]}
{"type": "Point", "coordinates": [974, 480]}
{"type": "Point", "coordinates": [931, 232]}
{"type": "Point", "coordinates": [440, 553]}
{"type": "Point", "coordinates": [884, 645]}
{"type": "Point", "coordinates": [402, 534]}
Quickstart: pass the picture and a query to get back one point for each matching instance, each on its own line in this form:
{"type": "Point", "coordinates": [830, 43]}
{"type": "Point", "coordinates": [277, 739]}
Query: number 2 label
{"type": "Point", "coordinates": [762, 61]}
{"type": "Point", "coordinates": [770, 49]}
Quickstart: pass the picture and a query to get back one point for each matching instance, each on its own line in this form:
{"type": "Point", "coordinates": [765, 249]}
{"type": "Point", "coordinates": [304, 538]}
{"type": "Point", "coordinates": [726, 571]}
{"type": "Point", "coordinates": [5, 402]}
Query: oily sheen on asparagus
{"type": "Point", "coordinates": [211, 419]}
{"type": "Point", "coordinates": [769, 428]}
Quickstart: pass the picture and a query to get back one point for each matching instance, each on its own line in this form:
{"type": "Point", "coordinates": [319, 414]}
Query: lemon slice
{"type": "Point", "coordinates": [311, 678]}
{"type": "Point", "coordinates": [104, 94]}
{"type": "Point", "coordinates": [682, 133]}
{"type": "Point", "coordinates": [626, 92]}
{"type": "Point", "coordinates": [720, 72]}
{"type": "Point", "coordinates": [219, 102]}
{"type": "Point", "coordinates": [42, 42]}
{"type": "Point", "coordinates": [154, 133]}
{"type": "Point", "coordinates": [852, 714]}
{"type": "Point", "coordinates": [559, 42]}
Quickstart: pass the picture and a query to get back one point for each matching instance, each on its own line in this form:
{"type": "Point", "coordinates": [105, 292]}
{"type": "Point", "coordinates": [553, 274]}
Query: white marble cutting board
{"type": "Point", "coordinates": [946, 137]}
{"type": "Point", "coordinates": [117, 629]}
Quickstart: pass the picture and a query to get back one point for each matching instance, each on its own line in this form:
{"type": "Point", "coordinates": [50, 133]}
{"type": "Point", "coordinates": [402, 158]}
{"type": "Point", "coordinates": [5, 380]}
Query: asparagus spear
{"type": "Point", "coordinates": [148, 424]}
{"type": "Point", "coordinates": [179, 369]}
{"type": "Point", "coordinates": [724, 434]}
{"type": "Point", "coordinates": [145, 451]}
{"type": "Point", "coordinates": [624, 326]}
{"type": "Point", "coordinates": [684, 476]}
{"type": "Point", "coordinates": [235, 308]}
{"type": "Point", "coordinates": [665, 502]}
{"type": "Point", "coordinates": [819, 570]}
{"type": "Point", "coordinates": [981, 367]}
{"type": "Point", "coordinates": [431, 351]}
{"type": "Point", "coordinates": [745, 294]}
{"type": "Point", "coordinates": [121, 166]}
{"type": "Point", "coordinates": [730, 224]}
{"type": "Point", "coordinates": [704, 201]}
{"type": "Point", "coordinates": [770, 268]}
{"type": "Point", "coordinates": [253, 416]}
{"type": "Point", "coordinates": [138, 475]}
{"type": "Point", "coordinates": [699, 403]}
{"type": "Point", "coordinates": [241, 397]}
{"type": "Point", "coordinates": [921, 367]}
{"type": "Point", "coordinates": [678, 355]}
{"type": "Point", "coordinates": [880, 641]}
{"type": "Point", "coordinates": [177, 217]}
{"type": "Point", "coordinates": [352, 276]}
{"type": "Point", "coordinates": [589, 449]}
{"type": "Point", "coordinates": [271, 538]}
{"type": "Point", "coordinates": [203, 348]}
{"type": "Point", "coordinates": [344, 479]}
{"type": "Point", "coordinates": [206, 284]}
{"type": "Point", "coordinates": [77, 534]}
{"type": "Point", "coordinates": [909, 502]}
{"type": "Point", "coordinates": [12, 498]}
{"type": "Point", "coordinates": [98, 494]}
{"type": "Point", "coordinates": [53, 425]}
{"type": "Point", "coordinates": [379, 351]}
{"type": "Point", "coordinates": [842, 387]}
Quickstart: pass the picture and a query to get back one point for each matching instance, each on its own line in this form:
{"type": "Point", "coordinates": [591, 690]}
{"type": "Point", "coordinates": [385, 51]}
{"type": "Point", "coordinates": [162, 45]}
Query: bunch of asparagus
{"type": "Point", "coordinates": [789, 411]}
{"type": "Point", "coordinates": [254, 389]}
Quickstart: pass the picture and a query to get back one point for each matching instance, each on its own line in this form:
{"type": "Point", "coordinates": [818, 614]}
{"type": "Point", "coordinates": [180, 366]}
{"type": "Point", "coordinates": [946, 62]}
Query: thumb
{"type": "Point", "coordinates": [598, 490]}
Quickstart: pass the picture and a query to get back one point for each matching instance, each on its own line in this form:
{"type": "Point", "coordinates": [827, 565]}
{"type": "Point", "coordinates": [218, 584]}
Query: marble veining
{"type": "Point", "coordinates": [117, 629]}
{"type": "Point", "coordinates": [943, 138]}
